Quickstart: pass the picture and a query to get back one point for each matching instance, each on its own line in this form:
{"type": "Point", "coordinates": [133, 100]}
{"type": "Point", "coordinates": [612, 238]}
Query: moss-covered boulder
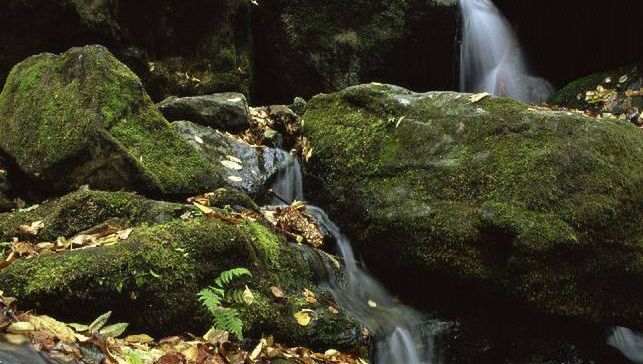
{"type": "Point", "coordinates": [614, 93]}
{"type": "Point", "coordinates": [195, 46]}
{"type": "Point", "coordinates": [311, 46]}
{"type": "Point", "coordinates": [541, 207]}
{"type": "Point", "coordinates": [83, 117]}
{"type": "Point", "coordinates": [82, 210]}
{"type": "Point", "coordinates": [151, 280]}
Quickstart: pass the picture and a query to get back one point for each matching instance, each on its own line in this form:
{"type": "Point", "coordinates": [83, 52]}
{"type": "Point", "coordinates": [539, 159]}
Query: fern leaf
{"type": "Point", "coordinates": [229, 275]}
{"type": "Point", "coordinates": [211, 298]}
{"type": "Point", "coordinates": [227, 319]}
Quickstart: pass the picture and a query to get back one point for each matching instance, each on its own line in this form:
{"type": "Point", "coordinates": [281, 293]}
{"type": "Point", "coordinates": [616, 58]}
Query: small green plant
{"type": "Point", "coordinates": [214, 298]}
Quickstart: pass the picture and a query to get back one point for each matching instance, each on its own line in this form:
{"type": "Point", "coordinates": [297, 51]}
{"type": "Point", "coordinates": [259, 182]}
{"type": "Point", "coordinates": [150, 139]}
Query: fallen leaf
{"type": "Point", "coordinates": [198, 139]}
{"type": "Point", "coordinates": [235, 178]}
{"type": "Point", "coordinates": [310, 297]}
{"type": "Point", "coordinates": [21, 327]}
{"type": "Point", "coordinates": [277, 292]}
{"type": "Point", "coordinates": [114, 330]}
{"type": "Point", "coordinates": [232, 165]}
{"type": "Point", "coordinates": [248, 297]}
{"type": "Point", "coordinates": [623, 78]}
{"type": "Point", "coordinates": [54, 328]}
{"type": "Point", "coordinates": [234, 159]}
{"type": "Point", "coordinates": [78, 327]}
{"type": "Point", "coordinates": [302, 317]}
{"type": "Point", "coordinates": [478, 97]}
{"type": "Point", "coordinates": [372, 303]}
{"type": "Point", "coordinates": [257, 350]}
{"type": "Point", "coordinates": [206, 210]}
{"type": "Point", "coordinates": [139, 339]}
{"type": "Point", "coordinates": [99, 322]}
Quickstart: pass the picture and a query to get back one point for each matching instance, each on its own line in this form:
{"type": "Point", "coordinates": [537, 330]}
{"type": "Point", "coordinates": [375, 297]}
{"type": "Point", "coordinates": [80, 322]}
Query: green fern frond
{"type": "Point", "coordinates": [229, 275]}
{"type": "Point", "coordinates": [211, 298]}
{"type": "Point", "coordinates": [227, 319]}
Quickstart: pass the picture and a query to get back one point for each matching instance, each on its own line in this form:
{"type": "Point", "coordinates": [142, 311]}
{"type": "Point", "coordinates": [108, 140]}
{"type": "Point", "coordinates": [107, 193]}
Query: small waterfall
{"type": "Point", "coordinates": [402, 334]}
{"type": "Point", "coordinates": [628, 342]}
{"type": "Point", "coordinates": [491, 58]}
{"type": "Point", "coordinates": [288, 183]}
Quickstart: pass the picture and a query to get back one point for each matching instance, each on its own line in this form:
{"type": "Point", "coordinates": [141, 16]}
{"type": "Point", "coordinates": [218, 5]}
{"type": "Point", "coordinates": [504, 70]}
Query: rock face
{"type": "Point", "coordinates": [185, 255]}
{"type": "Point", "coordinates": [541, 207]}
{"type": "Point", "coordinates": [193, 46]}
{"type": "Point", "coordinates": [225, 111]}
{"type": "Point", "coordinates": [242, 166]}
{"type": "Point", "coordinates": [84, 118]}
{"type": "Point", "coordinates": [311, 46]}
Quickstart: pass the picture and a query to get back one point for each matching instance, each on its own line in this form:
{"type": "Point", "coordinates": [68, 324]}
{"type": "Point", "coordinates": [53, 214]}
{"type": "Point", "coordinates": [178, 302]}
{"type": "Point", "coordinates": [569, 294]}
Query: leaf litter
{"type": "Point", "coordinates": [98, 342]}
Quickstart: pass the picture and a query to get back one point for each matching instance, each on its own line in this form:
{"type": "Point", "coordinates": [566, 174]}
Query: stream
{"type": "Point", "coordinates": [402, 334]}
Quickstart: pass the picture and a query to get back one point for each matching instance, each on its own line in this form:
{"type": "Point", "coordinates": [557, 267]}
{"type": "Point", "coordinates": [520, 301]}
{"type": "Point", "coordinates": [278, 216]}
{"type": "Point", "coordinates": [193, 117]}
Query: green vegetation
{"type": "Point", "coordinates": [493, 194]}
{"type": "Point", "coordinates": [213, 298]}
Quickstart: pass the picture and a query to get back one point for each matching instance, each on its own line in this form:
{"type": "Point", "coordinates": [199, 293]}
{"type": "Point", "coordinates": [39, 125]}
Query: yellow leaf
{"type": "Point", "coordinates": [248, 297]}
{"type": "Point", "coordinates": [478, 97]}
{"type": "Point", "coordinates": [139, 339]}
{"type": "Point", "coordinates": [54, 328]}
{"type": "Point", "coordinates": [206, 210]}
{"type": "Point", "coordinates": [372, 303]}
{"type": "Point", "coordinates": [302, 317]}
{"type": "Point", "coordinates": [20, 327]}
{"type": "Point", "coordinates": [277, 292]}
{"type": "Point", "coordinates": [235, 178]}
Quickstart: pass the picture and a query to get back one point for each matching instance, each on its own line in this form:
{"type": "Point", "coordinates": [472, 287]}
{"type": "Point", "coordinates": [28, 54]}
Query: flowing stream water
{"type": "Point", "coordinates": [491, 58]}
{"type": "Point", "coordinates": [402, 334]}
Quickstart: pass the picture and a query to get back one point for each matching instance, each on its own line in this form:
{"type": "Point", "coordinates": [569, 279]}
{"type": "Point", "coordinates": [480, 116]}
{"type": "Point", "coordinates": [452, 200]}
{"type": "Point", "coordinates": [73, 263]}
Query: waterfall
{"type": "Point", "coordinates": [288, 183]}
{"type": "Point", "coordinates": [402, 334]}
{"type": "Point", "coordinates": [628, 342]}
{"type": "Point", "coordinates": [491, 58]}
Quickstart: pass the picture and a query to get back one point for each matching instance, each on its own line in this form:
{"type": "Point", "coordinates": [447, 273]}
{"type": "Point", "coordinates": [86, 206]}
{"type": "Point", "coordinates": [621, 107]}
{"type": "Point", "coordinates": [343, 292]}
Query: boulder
{"type": "Point", "coordinates": [491, 202]}
{"type": "Point", "coordinates": [82, 210]}
{"type": "Point", "coordinates": [151, 280]}
{"type": "Point", "coordinates": [244, 167]}
{"type": "Point", "coordinates": [83, 117]}
{"type": "Point", "coordinates": [225, 111]}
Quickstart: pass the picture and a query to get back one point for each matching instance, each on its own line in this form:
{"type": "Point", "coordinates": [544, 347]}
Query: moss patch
{"type": "Point", "coordinates": [541, 204]}
{"type": "Point", "coordinates": [84, 117]}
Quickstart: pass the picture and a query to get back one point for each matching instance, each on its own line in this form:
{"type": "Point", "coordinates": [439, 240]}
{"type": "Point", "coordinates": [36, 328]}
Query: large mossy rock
{"type": "Point", "coordinates": [82, 210]}
{"type": "Point", "coordinates": [542, 207]}
{"type": "Point", "coordinates": [225, 111]}
{"type": "Point", "coordinates": [151, 280]}
{"type": "Point", "coordinates": [83, 117]}
{"type": "Point", "coordinates": [314, 46]}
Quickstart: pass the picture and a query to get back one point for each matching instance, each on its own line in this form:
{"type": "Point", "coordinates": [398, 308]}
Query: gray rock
{"type": "Point", "coordinates": [225, 111]}
{"type": "Point", "coordinates": [245, 167]}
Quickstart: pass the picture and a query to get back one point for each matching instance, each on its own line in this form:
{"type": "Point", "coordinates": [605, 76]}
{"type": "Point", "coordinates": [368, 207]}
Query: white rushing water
{"type": "Point", "coordinates": [402, 335]}
{"type": "Point", "coordinates": [491, 58]}
{"type": "Point", "coordinates": [628, 342]}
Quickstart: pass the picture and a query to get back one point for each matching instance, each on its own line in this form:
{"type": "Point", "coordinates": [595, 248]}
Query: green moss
{"type": "Point", "coordinates": [151, 280]}
{"type": "Point", "coordinates": [87, 109]}
{"type": "Point", "coordinates": [495, 193]}
{"type": "Point", "coordinates": [82, 210]}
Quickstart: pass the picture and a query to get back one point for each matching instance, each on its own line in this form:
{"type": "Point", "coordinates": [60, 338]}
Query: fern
{"type": "Point", "coordinates": [229, 275]}
{"type": "Point", "coordinates": [214, 297]}
{"type": "Point", "coordinates": [227, 319]}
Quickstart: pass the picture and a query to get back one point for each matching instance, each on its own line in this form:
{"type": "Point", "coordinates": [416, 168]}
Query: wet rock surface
{"type": "Point", "coordinates": [226, 111]}
{"type": "Point", "coordinates": [243, 167]}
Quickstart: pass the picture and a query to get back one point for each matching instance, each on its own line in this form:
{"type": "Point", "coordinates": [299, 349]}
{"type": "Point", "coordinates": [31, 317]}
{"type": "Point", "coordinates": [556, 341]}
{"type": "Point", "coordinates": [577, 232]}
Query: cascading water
{"type": "Point", "coordinates": [491, 58]}
{"type": "Point", "coordinates": [403, 335]}
{"type": "Point", "coordinates": [628, 342]}
{"type": "Point", "coordinates": [288, 183]}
